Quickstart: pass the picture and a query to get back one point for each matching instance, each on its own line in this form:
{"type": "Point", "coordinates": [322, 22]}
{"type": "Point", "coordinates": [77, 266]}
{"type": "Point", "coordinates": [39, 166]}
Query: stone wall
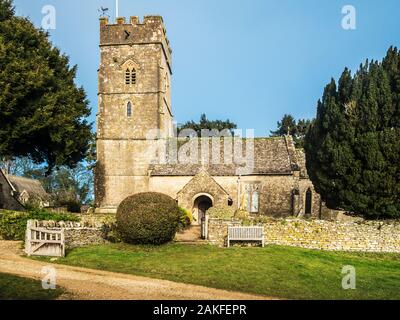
{"type": "Point", "coordinates": [76, 234]}
{"type": "Point", "coordinates": [218, 230]}
{"type": "Point", "coordinates": [79, 237]}
{"type": "Point", "coordinates": [356, 235]}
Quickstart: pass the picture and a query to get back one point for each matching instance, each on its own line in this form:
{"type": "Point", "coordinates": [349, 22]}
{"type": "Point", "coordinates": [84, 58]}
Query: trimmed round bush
{"type": "Point", "coordinates": [148, 218]}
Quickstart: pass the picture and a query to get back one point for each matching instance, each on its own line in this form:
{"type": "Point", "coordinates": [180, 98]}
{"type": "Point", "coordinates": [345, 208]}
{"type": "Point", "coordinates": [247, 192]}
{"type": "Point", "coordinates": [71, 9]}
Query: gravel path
{"type": "Point", "coordinates": [88, 284]}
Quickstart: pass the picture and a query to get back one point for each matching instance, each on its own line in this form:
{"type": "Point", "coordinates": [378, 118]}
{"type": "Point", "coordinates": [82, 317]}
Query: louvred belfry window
{"type": "Point", "coordinates": [130, 76]}
{"type": "Point", "coordinates": [127, 76]}
{"type": "Point", "coordinates": [133, 76]}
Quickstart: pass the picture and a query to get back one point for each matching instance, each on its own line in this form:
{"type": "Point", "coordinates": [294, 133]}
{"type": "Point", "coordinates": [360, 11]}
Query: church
{"type": "Point", "coordinates": [135, 133]}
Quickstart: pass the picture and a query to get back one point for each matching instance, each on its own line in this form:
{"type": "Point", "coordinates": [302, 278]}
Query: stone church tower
{"type": "Point", "coordinates": [137, 151]}
{"type": "Point", "coordinates": [134, 105]}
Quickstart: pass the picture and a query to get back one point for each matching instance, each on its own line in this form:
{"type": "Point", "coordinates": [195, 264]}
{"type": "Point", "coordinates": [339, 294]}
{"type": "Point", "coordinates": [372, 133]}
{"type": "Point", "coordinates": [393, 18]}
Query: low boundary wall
{"type": "Point", "coordinates": [358, 235]}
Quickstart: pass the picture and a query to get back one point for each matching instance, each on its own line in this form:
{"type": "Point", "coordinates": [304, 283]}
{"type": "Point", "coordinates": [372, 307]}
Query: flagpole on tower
{"type": "Point", "coordinates": [116, 9]}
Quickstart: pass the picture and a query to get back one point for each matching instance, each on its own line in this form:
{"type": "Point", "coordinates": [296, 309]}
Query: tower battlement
{"type": "Point", "coordinates": [150, 31]}
{"type": "Point", "coordinates": [134, 20]}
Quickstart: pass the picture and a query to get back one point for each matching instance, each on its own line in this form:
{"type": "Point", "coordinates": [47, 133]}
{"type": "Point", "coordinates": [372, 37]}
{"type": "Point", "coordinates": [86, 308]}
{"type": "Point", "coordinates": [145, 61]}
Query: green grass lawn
{"type": "Point", "coordinates": [18, 288]}
{"type": "Point", "coordinates": [282, 272]}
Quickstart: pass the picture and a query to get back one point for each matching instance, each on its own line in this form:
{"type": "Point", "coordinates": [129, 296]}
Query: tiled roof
{"type": "Point", "coordinates": [31, 186]}
{"type": "Point", "coordinates": [272, 156]}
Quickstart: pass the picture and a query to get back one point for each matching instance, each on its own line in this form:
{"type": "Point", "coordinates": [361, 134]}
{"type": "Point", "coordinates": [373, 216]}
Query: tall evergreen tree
{"type": "Point", "coordinates": [353, 146]}
{"type": "Point", "coordinates": [287, 125]}
{"type": "Point", "coordinates": [42, 112]}
{"type": "Point", "coordinates": [6, 10]}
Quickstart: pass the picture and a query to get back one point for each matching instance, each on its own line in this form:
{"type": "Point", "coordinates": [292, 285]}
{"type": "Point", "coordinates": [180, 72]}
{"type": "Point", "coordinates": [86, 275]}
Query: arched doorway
{"type": "Point", "coordinates": [308, 202]}
{"type": "Point", "coordinates": [201, 204]}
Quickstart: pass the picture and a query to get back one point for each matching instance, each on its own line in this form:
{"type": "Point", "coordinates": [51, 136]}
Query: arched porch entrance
{"type": "Point", "coordinates": [201, 204]}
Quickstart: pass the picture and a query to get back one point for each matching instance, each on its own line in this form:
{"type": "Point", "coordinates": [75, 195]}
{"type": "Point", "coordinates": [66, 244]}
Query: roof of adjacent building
{"type": "Point", "coordinates": [31, 186]}
{"type": "Point", "coordinates": [3, 175]}
{"type": "Point", "coordinates": [272, 156]}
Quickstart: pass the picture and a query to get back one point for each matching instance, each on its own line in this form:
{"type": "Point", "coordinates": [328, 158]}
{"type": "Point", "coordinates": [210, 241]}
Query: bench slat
{"type": "Point", "coordinates": [246, 234]}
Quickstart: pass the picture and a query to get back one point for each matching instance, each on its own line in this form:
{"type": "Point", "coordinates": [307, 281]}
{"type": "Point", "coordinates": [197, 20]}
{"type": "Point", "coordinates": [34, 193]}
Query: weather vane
{"type": "Point", "coordinates": [103, 12]}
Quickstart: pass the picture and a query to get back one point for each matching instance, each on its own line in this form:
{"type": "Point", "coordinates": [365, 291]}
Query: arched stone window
{"type": "Point", "coordinates": [251, 197]}
{"type": "Point", "coordinates": [129, 110]}
{"type": "Point", "coordinates": [295, 202]}
{"type": "Point", "coordinates": [308, 205]}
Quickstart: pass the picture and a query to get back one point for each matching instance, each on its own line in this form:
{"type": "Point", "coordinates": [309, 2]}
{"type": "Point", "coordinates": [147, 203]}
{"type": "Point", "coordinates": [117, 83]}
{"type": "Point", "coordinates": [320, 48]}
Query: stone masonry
{"type": "Point", "coordinates": [122, 166]}
{"type": "Point", "coordinates": [76, 234]}
{"type": "Point", "coordinates": [363, 236]}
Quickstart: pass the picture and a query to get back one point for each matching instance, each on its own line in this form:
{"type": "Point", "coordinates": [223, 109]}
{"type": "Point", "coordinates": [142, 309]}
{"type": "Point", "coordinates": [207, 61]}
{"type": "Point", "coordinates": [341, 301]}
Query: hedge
{"type": "Point", "coordinates": [13, 223]}
{"type": "Point", "coordinates": [186, 218]}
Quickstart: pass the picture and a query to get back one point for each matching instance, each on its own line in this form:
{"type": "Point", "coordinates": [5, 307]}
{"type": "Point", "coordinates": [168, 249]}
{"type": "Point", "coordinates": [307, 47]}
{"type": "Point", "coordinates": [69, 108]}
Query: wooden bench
{"type": "Point", "coordinates": [246, 234]}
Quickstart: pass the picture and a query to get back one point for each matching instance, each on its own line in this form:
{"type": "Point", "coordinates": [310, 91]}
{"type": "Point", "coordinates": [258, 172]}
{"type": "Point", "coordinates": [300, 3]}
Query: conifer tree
{"type": "Point", "coordinates": [42, 111]}
{"type": "Point", "coordinates": [353, 146]}
{"type": "Point", "coordinates": [289, 125]}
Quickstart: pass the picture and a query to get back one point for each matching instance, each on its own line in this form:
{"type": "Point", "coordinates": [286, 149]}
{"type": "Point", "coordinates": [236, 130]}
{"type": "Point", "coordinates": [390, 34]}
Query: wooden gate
{"type": "Point", "coordinates": [203, 227]}
{"type": "Point", "coordinates": [43, 241]}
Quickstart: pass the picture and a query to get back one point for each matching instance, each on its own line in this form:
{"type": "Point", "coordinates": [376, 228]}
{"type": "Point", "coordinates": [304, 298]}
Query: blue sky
{"type": "Point", "coordinates": [247, 60]}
